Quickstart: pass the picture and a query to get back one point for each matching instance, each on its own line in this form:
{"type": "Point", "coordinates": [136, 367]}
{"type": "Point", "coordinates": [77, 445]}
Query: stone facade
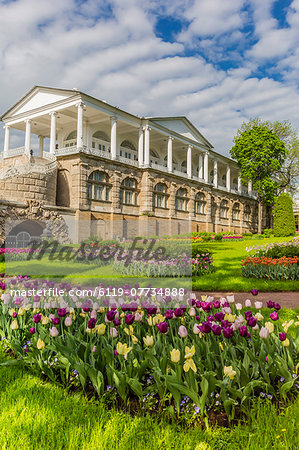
{"type": "Point", "coordinates": [149, 177]}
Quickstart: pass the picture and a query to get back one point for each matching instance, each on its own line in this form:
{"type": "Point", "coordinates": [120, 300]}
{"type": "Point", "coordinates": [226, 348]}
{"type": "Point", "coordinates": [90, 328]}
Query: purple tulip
{"type": "Point", "coordinates": [56, 320]}
{"type": "Point", "coordinates": [216, 329]}
{"type": "Point", "coordinates": [282, 336]}
{"type": "Point", "coordinates": [36, 318]}
{"type": "Point", "coordinates": [251, 321]}
{"type": "Point", "coordinates": [219, 316]}
{"type": "Point", "coordinates": [14, 315]}
{"type": "Point", "coordinates": [178, 312]}
{"type": "Point", "coordinates": [227, 332]}
{"type": "Point", "coordinates": [254, 292]}
{"type": "Point", "coordinates": [243, 331]}
{"type": "Point", "coordinates": [274, 316]}
{"type": "Point", "coordinates": [32, 330]}
{"type": "Point", "coordinates": [169, 314]}
{"type": "Point", "coordinates": [270, 304]}
{"type": "Point", "coordinates": [225, 324]}
{"type": "Point", "coordinates": [151, 310]}
{"type": "Point", "coordinates": [277, 306]}
{"type": "Point", "coordinates": [62, 312]}
{"type": "Point", "coordinates": [216, 304]}
{"type": "Point", "coordinates": [163, 327]}
{"type": "Point", "coordinates": [183, 307]}
{"type": "Point", "coordinates": [247, 314]}
{"type": "Point", "coordinates": [129, 319]}
{"type": "Point", "coordinates": [206, 306]}
{"type": "Point", "coordinates": [110, 315]}
{"type": "Point", "coordinates": [117, 322]}
{"type": "Point", "coordinates": [205, 327]}
{"type": "Point", "coordinates": [91, 323]}
{"type": "Point", "coordinates": [198, 304]}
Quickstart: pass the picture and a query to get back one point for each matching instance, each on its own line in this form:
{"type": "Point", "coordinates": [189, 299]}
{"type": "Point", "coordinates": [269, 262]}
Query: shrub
{"type": "Point", "coordinates": [268, 232]}
{"type": "Point", "coordinates": [218, 237]}
{"type": "Point", "coordinates": [284, 220]}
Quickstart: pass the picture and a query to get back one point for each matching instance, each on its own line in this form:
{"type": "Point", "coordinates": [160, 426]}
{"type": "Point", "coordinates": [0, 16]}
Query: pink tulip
{"type": "Point", "coordinates": [192, 312]}
{"type": "Point", "coordinates": [94, 349]}
{"type": "Point", "coordinates": [68, 321]}
{"type": "Point", "coordinates": [183, 331]}
{"type": "Point", "coordinates": [248, 303]}
{"type": "Point", "coordinates": [53, 332]}
{"type": "Point", "coordinates": [196, 330]}
{"type": "Point", "coordinates": [264, 333]}
{"type": "Point", "coordinates": [113, 332]}
{"type": "Point", "coordinates": [258, 305]}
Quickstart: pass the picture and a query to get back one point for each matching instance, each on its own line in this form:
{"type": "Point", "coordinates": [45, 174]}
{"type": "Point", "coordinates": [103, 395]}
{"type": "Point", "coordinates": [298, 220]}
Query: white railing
{"type": "Point", "coordinates": [27, 169]}
{"type": "Point", "coordinates": [14, 152]}
{"type": "Point", "coordinates": [66, 151]}
{"type": "Point", "coordinates": [159, 167]}
{"type": "Point", "coordinates": [129, 161]}
{"type": "Point", "coordinates": [49, 156]}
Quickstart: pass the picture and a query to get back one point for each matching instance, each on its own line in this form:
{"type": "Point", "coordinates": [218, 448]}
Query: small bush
{"type": "Point", "coordinates": [218, 237]}
{"type": "Point", "coordinates": [284, 220]}
{"type": "Point", "coordinates": [268, 232]}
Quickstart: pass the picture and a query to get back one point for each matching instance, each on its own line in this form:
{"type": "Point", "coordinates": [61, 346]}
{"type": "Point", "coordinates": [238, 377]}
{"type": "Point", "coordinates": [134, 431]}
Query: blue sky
{"type": "Point", "coordinates": [219, 62]}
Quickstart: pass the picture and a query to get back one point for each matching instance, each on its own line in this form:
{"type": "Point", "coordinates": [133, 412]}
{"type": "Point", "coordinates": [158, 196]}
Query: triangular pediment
{"type": "Point", "coordinates": [38, 97]}
{"type": "Point", "coordinates": [183, 126]}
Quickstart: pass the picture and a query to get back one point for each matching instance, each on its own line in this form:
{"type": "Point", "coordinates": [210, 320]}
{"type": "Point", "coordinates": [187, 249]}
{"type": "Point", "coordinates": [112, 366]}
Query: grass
{"type": "Point", "coordinates": [227, 277]}
{"type": "Point", "coordinates": [38, 414]}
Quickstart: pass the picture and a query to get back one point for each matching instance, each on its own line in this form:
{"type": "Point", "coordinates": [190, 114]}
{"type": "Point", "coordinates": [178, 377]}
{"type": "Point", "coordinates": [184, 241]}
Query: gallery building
{"type": "Point", "coordinates": [118, 174]}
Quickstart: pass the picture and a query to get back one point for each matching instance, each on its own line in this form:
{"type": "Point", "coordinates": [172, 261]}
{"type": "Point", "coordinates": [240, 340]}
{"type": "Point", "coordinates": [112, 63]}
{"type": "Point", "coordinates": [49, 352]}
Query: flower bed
{"type": "Point", "coordinates": [272, 268]}
{"type": "Point", "coordinates": [202, 353]}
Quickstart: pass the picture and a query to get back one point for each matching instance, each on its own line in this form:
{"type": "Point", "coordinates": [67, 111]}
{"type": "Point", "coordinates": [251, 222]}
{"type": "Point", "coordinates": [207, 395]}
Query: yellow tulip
{"type": "Point", "coordinates": [11, 311]}
{"type": "Point", "coordinates": [123, 349]}
{"type": "Point", "coordinates": [134, 339]}
{"type": "Point", "coordinates": [270, 326]}
{"type": "Point", "coordinates": [21, 311]}
{"type": "Point", "coordinates": [148, 341]}
{"type": "Point", "coordinates": [259, 316]}
{"type": "Point", "coordinates": [287, 325]}
{"type": "Point", "coordinates": [45, 320]}
{"type": "Point", "coordinates": [40, 344]}
{"type": "Point", "coordinates": [175, 355]}
{"type": "Point", "coordinates": [129, 330]}
{"type": "Point", "coordinates": [189, 364]}
{"type": "Point", "coordinates": [286, 343]}
{"type": "Point", "coordinates": [189, 352]}
{"type": "Point", "coordinates": [150, 321]}
{"type": "Point", "coordinates": [102, 310]}
{"type": "Point", "coordinates": [100, 329]}
{"type": "Point", "coordinates": [14, 325]}
{"type": "Point", "coordinates": [221, 346]}
{"type": "Point", "coordinates": [230, 317]}
{"type": "Point", "coordinates": [229, 372]}
{"type": "Point", "coordinates": [35, 311]}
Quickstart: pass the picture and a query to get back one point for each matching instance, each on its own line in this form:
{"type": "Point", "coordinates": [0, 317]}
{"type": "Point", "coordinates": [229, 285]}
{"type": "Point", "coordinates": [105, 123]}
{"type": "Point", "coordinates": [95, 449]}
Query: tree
{"type": "Point", "coordinates": [260, 154]}
{"type": "Point", "coordinates": [284, 220]}
{"type": "Point", "coordinates": [287, 176]}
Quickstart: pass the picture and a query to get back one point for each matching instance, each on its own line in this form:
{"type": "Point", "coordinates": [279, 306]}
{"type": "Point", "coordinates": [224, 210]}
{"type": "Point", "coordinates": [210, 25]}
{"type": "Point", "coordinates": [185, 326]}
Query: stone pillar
{"type": "Point", "coordinates": [209, 218]}
{"type": "Point", "coordinates": [189, 161]}
{"type": "Point", "coordinates": [169, 154]}
{"type": "Point", "coordinates": [250, 188]}
{"type": "Point", "coordinates": [28, 137]}
{"type": "Point", "coordinates": [140, 147]}
{"type": "Point", "coordinates": [80, 126]}
{"type": "Point", "coordinates": [230, 214]}
{"type": "Point", "coordinates": [113, 137]}
{"type": "Point", "coordinates": [228, 178]}
{"type": "Point", "coordinates": [206, 167]}
{"type": "Point", "coordinates": [41, 146]}
{"type": "Point", "coordinates": [200, 166]}
{"type": "Point", "coordinates": [215, 178]}
{"type": "Point", "coordinates": [242, 207]}
{"type": "Point", "coordinates": [239, 184]}
{"type": "Point", "coordinates": [146, 189]}
{"type": "Point", "coordinates": [171, 206]}
{"type": "Point", "coordinates": [6, 140]}
{"type": "Point", "coordinates": [53, 133]}
{"type": "Point", "coordinates": [146, 146]}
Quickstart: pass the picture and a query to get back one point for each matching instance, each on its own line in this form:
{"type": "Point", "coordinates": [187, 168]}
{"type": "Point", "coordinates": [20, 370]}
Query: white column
{"type": "Point", "coordinates": [53, 133]}
{"type": "Point", "coordinates": [169, 154]}
{"type": "Point", "coordinates": [250, 188]}
{"type": "Point", "coordinates": [28, 137]}
{"type": "Point", "coordinates": [206, 167]}
{"type": "Point", "coordinates": [215, 178]}
{"type": "Point", "coordinates": [6, 139]}
{"type": "Point", "coordinates": [200, 166]}
{"type": "Point", "coordinates": [228, 178]}
{"type": "Point", "coordinates": [140, 146]}
{"type": "Point", "coordinates": [189, 161]}
{"type": "Point", "coordinates": [113, 137]}
{"type": "Point", "coordinates": [80, 125]}
{"type": "Point", "coordinates": [41, 146]}
{"type": "Point", "coordinates": [239, 185]}
{"type": "Point", "coordinates": [146, 145]}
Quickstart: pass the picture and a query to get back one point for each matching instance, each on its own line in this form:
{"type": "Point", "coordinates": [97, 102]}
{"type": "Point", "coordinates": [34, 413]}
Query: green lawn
{"type": "Point", "coordinates": [36, 414]}
{"type": "Point", "coordinates": [227, 257]}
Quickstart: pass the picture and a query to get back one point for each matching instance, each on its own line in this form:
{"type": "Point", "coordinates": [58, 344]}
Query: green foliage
{"type": "Point", "coordinates": [260, 154]}
{"type": "Point", "coordinates": [268, 232]}
{"type": "Point", "coordinates": [284, 220]}
{"type": "Point", "coordinates": [218, 237]}
{"type": "Point", "coordinates": [271, 272]}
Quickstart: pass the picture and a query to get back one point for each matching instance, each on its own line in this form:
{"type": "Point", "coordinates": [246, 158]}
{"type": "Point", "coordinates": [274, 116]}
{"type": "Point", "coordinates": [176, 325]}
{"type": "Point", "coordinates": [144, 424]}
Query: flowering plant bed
{"type": "Point", "coordinates": [200, 354]}
{"type": "Point", "coordinates": [272, 268]}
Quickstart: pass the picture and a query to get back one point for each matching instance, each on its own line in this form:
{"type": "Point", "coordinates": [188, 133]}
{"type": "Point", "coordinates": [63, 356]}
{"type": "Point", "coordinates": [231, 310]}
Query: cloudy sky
{"type": "Point", "coordinates": [219, 62]}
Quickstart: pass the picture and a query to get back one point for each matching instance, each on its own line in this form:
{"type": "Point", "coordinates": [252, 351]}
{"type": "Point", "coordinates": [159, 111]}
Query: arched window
{"type": "Point", "coordinates": [235, 184]}
{"type": "Point", "coordinates": [71, 139]}
{"type": "Point", "coordinates": [128, 150]}
{"type": "Point", "coordinates": [160, 196]}
{"type": "Point", "coordinates": [236, 211]}
{"type": "Point", "coordinates": [181, 200]}
{"type": "Point", "coordinates": [128, 191]}
{"type": "Point", "coordinates": [223, 180]}
{"type": "Point", "coordinates": [199, 203]}
{"type": "Point", "coordinates": [247, 211]}
{"type": "Point", "coordinates": [98, 187]}
{"type": "Point", "coordinates": [101, 141]}
{"type": "Point", "coordinates": [224, 209]}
